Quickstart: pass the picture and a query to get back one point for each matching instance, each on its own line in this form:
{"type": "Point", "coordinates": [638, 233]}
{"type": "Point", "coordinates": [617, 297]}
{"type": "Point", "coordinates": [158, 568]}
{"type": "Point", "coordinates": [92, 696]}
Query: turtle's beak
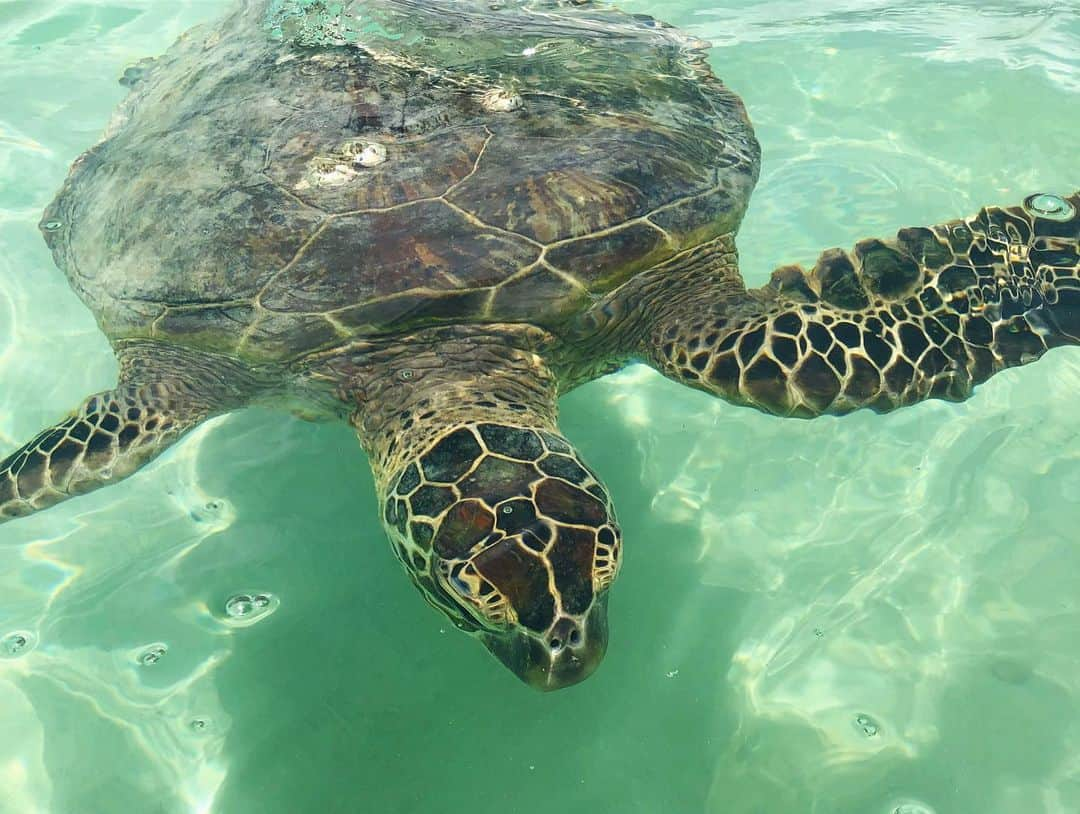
{"type": "Point", "coordinates": [568, 653]}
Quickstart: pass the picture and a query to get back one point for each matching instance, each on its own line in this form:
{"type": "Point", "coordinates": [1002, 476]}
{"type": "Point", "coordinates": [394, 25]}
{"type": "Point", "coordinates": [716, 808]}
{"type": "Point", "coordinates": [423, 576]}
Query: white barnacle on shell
{"type": "Point", "coordinates": [371, 156]}
{"type": "Point", "coordinates": [327, 171]}
{"type": "Point", "coordinates": [501, 100]}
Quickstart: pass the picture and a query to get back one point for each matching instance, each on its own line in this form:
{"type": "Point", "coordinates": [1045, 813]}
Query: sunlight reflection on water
{"type": "Point", "coordinates": [846, 615]}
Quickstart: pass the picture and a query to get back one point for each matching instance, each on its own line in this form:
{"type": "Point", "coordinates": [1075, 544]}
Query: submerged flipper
{"type": "Point", "coordinates": [159, 398]}
{"type": "Point", "coordinates": [928, 314]}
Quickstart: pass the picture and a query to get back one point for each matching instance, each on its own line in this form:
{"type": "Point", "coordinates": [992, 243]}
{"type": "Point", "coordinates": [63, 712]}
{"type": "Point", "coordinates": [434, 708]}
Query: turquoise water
{"type": "Point", "coordinates": [843, 616]}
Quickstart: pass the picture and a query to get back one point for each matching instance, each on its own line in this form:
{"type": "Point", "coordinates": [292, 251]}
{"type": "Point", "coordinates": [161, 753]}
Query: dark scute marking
{"type": "Point", "coordinates": [839, 283]}
{"type": "Point", "coordinates": [864, 380]}
{"type": "Point", "coordinates": [766, 383]}
{"type": "Point", "coordinates": [978, 331]}
{"type": "Point", "coordinates": [1058, 256]}
{"type": "Point", "coordinates": [954, 349]}
{"type": "Point", "coordinates": [62, 459]}
{"type": "Point", "coordinates": [51, 440]}
{"type": "Point", "coordinates": [838, 359]}
{"type": "Point", "coordinates": [401, 515]}
{"type": "Point", "coordinates": [515, 516]}
{"type": "Point", "coordinates": [451, 458]}
{"type": "Point", "coordinates": [847, 333]}
{"type": "Point", "coordinates": [899, 375]}
{"type": "Point", "coordinates": [99, 448]}
{"type": "Point", "coordinates": [749, 344]}
{"type": "Point", "coordinates": [820, 337]}
{"type": "Point", "coordinates": [532, 542]}
{"type": "Point", "coordinates": [7, 489]}
{"type": "Point", "coordinates": [923, 245]}
{"type": "Point", "coordinates": [728, 342]}
{"type": "Point", "coordinates": [725, 371]}
{"type": "Point", "coordinates": [785, 350]}
{"type": "Point", "coordinates": [81, 431]}
{"type": "Point", "coordinates": [913, 340]}
{"type": "Point", "coordinates": [982, 255]}
{"type": "Point", "coordinates": [788, 323]}
{"type": "Point", "coordinates": [571, 560]}
{"type": "Point", "coordinates": [887, 271]}
{"type": "Point", "coordinates": [1066, 312]}
{"type": "Point", "coordinates": [496, 479]}
{"type": "Point", "coordinates": [983, 363]}
{"type": "Point", "coordinates": [933, 362]}
{"type": "Point", "coordinates": [598, 491]}
{"type": "Point", "coordinates": [18, 460]}
{"type": "Point", "coordinates": [465, 525]}
{"type": "Point", "coordinates": [513, 442]}
{"type": "Point", "coordinates": [421, 533]}
{"type": "Point", "coordinates": [1010, 306]}
{"type": "Point", "coordinates": [879, 351]}
{"type": "Point", "coordinates": [409, 480]}
{"type": "Point", "coordinates": [564, 503]}
{"type": "Point", "coordinates": [930, 298]}
{"type": "Point", "coordinates": [418, 561]}
{"type": "Point", "coordinates": [32, 475]}
{"type": "Point", "coordinates": [431, 500]}
{"type": "Point", "coordinates": [936, 331]}
{"type": "Point", "coordinates": [110, 422]}
{"type": "Point", "coordinates": [554, 443]}
{"type": "Point", "coordinates": [1015, 348]}
{"type": "Point", "coordinates": [817, 382]}
{"type": "Point", "coordinates": [957, 278]}
{"type": "Point", "coordinates": [606, 537]}
{"type": "Point", "coordinates": [700, 361]}
{"type": "Point", "coordinates": [951, 323]}
{"type": "Point", "coordinates": [522, 578]}
{"type": "Point", "coordinates": [127, 435]}
{"type": "Point", "coordinates": [390, 512]}
{"type": "Point", "coordinates": [563, 466]}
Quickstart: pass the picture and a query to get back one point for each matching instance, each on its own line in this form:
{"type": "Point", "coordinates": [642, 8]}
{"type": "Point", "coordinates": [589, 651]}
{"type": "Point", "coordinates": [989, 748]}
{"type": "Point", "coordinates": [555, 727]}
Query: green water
{"type": "Point", "coordinates": [843, 616]}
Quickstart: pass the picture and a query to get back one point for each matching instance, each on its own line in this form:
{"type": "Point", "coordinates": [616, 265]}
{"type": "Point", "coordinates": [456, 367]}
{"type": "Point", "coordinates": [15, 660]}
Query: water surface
{"type": "Point", "coordinates": [844, 616]}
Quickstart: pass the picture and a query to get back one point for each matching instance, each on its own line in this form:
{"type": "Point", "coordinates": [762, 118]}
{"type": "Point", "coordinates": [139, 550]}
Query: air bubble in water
{"type": "Point", "coordinates": [152, 654]}
{"type": "Point", "coordinates": [17, 643]}
{"type": "Point", "coordinates": [239, 606]}
{"type": "Point", "coordinates": [867, 725]}
{"type": "Point", "coordinates": [1050, 207]}
{"type": "Point", "coordinates": [200, 725]}
{"type": "Point", "coordinates": [247, 608]}
{"type": "Point", "coordinates": [911, 807]}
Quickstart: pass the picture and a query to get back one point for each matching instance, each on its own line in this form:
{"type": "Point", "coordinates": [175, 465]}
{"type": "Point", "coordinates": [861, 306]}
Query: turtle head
{"type": "Point", "coordinates": [506, 531]}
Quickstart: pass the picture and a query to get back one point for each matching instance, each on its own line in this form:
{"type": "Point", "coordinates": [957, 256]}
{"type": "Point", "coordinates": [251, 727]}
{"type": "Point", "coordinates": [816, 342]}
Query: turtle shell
{"type": "Point", "coordinates": [292, 178]}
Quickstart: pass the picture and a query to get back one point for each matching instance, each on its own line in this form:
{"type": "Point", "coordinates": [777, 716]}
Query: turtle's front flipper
{"type": "Point", "coordinates": [928, 314]}
{"type": "Point", "coordinates": [163, 392]}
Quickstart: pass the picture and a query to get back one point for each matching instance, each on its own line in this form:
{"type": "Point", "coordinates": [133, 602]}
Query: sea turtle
{"type": "Point", "coordinates": [431, 220]}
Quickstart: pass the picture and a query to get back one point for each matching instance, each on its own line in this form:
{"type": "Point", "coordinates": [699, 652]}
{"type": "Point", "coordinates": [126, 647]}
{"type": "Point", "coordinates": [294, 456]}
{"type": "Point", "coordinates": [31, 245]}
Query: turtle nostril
{"type": "Point", "coordinates": [566, 633]}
